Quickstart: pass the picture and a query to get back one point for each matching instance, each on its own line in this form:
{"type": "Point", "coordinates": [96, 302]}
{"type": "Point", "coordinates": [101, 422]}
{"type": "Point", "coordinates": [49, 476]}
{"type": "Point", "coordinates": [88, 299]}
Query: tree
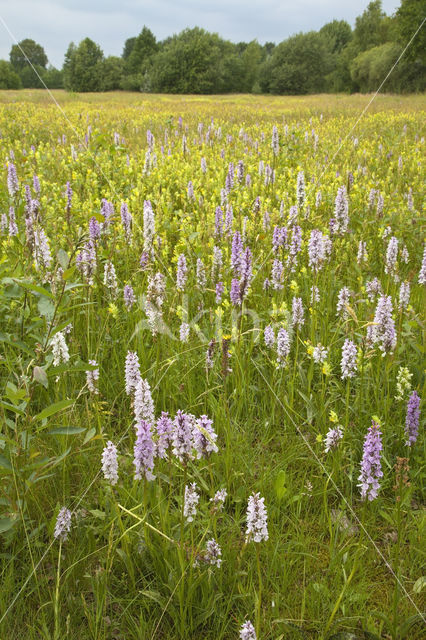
{"type": "Point", "coordinates": [9, 79]}
{"type": "Point", "coordinates": [32, 77]}
{"type": "Point", "coordinates": [137, 56]}
{"type": "Point", "coordinates": [297, 66]}
{"type": "Point", "coordinates": [408, 18]}
{"type": "Point", "coordinates": [83, 67]}
{"type": "Point", "coordinates": [233, 78]}
{"type": "Point", "coordinates": [191, 62]}
{"type": "Point", "coordinates": [268, 49]}
{"type": "Point", "coordinates": [252, 56]}
{"type": "Point", "coordinates": [53, 78]}
{"type": "Point", "coordinates": [111, 71]}
{"type": "Point", "coordinates": [67, 68]}
{"type": "Point", "coordinates": [128, 47]}
{"type": "Point", "coordinates": [371, 28]}
{"type": "Point", "coordinates": [336, 36]}
{"type": "Point", "coordinates": [370, 68]}
{"type": "Point", "coordinates": [143, 48]}
{"type": "Point", "coordinates": [27, 50]}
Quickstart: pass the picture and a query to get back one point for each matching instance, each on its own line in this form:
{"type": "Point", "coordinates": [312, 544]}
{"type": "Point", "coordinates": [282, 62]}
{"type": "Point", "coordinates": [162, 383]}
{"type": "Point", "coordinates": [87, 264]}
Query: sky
{"type": "Point", "coordinates": [55, 23]}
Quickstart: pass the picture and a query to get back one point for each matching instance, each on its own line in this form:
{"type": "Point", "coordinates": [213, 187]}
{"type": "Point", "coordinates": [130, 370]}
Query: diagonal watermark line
{"type": "Point", "coordinates": [85, 145]}
{"type": "Point", "coordinates": [370, 101]}
{"type": "Point", "coordinates": [342, 142]}
{"type": "Point", "coordinates": [330, 478]}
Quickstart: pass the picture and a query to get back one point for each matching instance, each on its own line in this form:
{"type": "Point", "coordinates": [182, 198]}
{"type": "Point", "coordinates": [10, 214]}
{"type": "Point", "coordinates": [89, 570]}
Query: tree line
{"type": "Point", "coordinates": [336, 58]}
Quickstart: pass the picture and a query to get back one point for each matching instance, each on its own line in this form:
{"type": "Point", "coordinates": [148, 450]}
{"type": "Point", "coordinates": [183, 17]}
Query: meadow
{"type": "Point", "coordinates": [211, 365]}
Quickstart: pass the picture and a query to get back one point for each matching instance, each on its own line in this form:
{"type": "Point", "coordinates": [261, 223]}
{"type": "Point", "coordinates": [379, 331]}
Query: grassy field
{"type": "Point", "coordinates": [263, 257]}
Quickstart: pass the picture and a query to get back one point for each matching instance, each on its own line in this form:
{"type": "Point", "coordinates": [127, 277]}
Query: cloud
{"type": "Point", "coordinates": [55, 23]}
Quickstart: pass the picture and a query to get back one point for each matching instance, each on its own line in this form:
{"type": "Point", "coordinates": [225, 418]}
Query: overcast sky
{"type": "Point", "coordinates": [55, 23]}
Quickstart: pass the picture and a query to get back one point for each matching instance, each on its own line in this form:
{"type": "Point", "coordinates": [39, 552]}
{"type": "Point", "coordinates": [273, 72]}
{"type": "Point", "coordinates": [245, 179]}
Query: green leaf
{"type": "Point", "coordinates": [69, 366]}
{"type": "Point", "coordinates": [99, 217]}
{"type": "Point", "coordinates": [16, 343]}
{"type": "Point", "coordinates": [408, 623]}
{"type": "Point", "coordinates": [63, 258]}
{"type": "Point", "coordinates": [98, 514]}
{"type": "Point", "coordinates": [4, 462]}
{"type": "Point", "coordinates": [68, 273]}
{"type": "Point", "coordinates": [155, 596]}
{"type": "Point", "coordinates": [35, 288]}
{"type": "Point", "coordinates": [74, 285]}
{"type": "Point", "coordinates": [46, 308]}
{"type": "Point", "coordinates": [66, 431]}
{"type": "Point", "coordinates": [11, 407]}
{"type": "Point", "coordinates": [89, 435]}
{"type": "Point", "coordinates": [419, 584]}
{"type": "Point", "coordinates": [40, 376]}
{"type": "Point", "coordinates": [292, 628]}
{"type": "Point", "coordinates": [280, 488]}
{"type": "Point", "coordinates": [53, 408]}
{"type": "Point", "coordinates": [15, 395]}
{"type": "Point", "coordinates": [6, 524]}
{"type": "Point", "coordinates": [55, 461]}
{"type": "Point", "coordinates": [386, 516]}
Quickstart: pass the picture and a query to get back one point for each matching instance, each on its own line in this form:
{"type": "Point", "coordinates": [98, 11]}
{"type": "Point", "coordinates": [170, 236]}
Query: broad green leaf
{"type": "Point", "coordinates": [63, 258]}
{"type": "Point", "coordinates": [98, 514]}
{"type": "Point", "coordinates": [40, 376]}
{"type": "Point", "coordinates": [66, 431]}
{"type": "Point", "coordinates": [6, 524]}
{"type": "Point", "coordinates": [68, 273]}
{"type": "Point", "coordinates": [280, 488]}
{"type": "Point", "coordinates": [419, 584]}
{"type": "Point", "coordinates": [11, 407]}
{"type": "Point", "coordinates": [53, 408]}
{"type": "Point", "coordinates": [89, 435]}
{"type": "Point", "coordinates": [35, 288]}
{"type": "Point", "coordinates": [46, 308]}
{"type": "Point", "coordinates": [15, 395]}
{"type": "Point", "coordinates": [4, 463]}
{"type": "Point", "coordinates": [67, 366]}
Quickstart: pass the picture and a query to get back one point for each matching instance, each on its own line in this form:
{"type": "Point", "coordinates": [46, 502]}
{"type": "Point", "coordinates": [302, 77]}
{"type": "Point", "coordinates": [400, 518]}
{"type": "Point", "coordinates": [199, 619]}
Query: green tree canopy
{"type": "Point", "coordinates": [128, 46]}
{"type": "Point", "coordinates": [336, 35]}
{"type": "Point", "coordinates": [53, 78]}
{"type": "Point", "coordinates": [9, 79]}
{"type": "Point", "coordinates": [141, 51]}
{"type": "Point", "coordinates": [372, 27]}
{"type": "Point", "coordinates": [297, 66]}
{"type": "Point", "coordinates": [27, 49]}
{"type": "Point", "coordinates": [111, 71]}
{"type": "Point", "coordinates": [408, 18]}
{"type": "Point", "coordinates": [83, 67]}
{"type": "Point", "coordinates": [191, 62]}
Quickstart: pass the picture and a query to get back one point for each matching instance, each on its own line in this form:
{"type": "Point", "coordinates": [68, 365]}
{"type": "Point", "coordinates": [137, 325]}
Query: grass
{"type": "Point", "coordinates": [333, 564]}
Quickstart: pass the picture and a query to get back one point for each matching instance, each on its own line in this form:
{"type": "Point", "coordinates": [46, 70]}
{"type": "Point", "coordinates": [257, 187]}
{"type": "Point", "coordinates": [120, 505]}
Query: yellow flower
{"type": "Point", "coordinates": [326, 369]}
{"type": "Point", "coordinates": [333, 416]}
{"type": "Point", "coordinates": [113, 310]}
{"type": "Point", "coordinates": [294, 286]}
